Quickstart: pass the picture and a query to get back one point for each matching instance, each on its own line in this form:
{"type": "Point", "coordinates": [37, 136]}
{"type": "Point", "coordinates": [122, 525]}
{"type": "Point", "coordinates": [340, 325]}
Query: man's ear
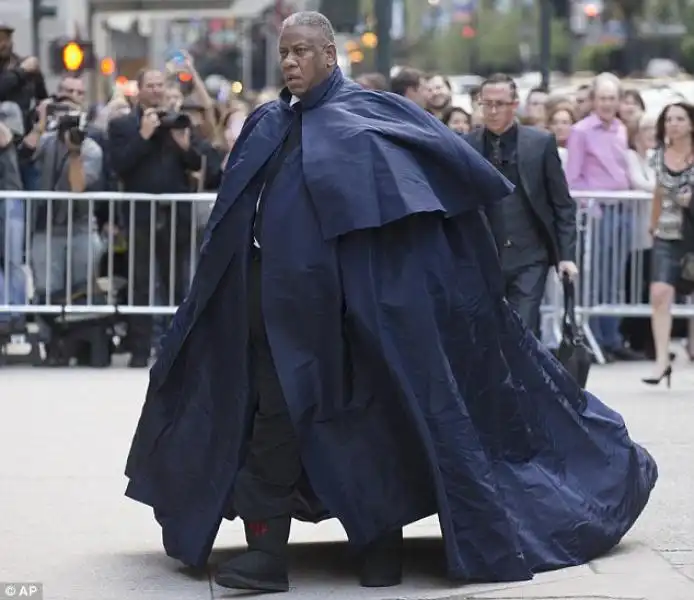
{"type": "Point", "coordinates": [331, 53]}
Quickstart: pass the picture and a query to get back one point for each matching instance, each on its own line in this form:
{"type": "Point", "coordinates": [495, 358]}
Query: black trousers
{"type": "Point", "coordinates": [525, 288]}
{"type": "Point", "coordinates": [267, 480]}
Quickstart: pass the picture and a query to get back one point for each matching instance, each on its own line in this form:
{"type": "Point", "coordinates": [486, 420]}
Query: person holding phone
{"type": "Point", "coordinates": [182, 62]}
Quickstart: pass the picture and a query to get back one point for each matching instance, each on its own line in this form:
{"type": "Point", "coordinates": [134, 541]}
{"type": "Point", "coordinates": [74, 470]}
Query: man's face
{"type": "Point", "coordinates": [419, 95]}
{"type": "Point", "coordinates": [583, 103]}
{"type": "Point", "coordinates": [439, 94]}
{"type": "Point", "coordinates": [306, 58]}
{"type": "Point", "coordinates": [606, 101]}
{"type": "Point", "coordinates": [499, 106]}
{"type": "Point", "coordinates": [151, 95]}
{"type": "Point", "coordinates": [73, 89]}
{"type": "Point", "coordinates": [5, 45]}
{"type": "Point", "coordinates": [535, 106]}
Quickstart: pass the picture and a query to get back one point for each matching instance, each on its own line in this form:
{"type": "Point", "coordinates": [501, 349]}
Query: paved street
{"type": "Point", "coordinates": [64, 520]}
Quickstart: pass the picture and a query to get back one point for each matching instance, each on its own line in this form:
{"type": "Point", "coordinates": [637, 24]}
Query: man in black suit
{"type": "Point", "coordinates": [535, 226]}
{"type": "Point", "coordinates": [153, 155]}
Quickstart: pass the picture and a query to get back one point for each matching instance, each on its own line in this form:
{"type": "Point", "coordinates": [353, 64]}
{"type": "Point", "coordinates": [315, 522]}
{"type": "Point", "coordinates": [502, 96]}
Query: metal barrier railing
{"type": "Point", "coordinates": [613, 259]}
{"type": "Point", "coordinates": [101, 253]}
{"type": "Point", "coordinates": [105, 253]}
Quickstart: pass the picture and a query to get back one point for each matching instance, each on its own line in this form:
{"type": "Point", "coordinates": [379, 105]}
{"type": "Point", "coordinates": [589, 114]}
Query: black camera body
{"type": "Point", "coordinates": [64, 119]}
{"type": "Point", "coordinates": [173, 120]}
{"type": "Point", "coordinates": [74, 124]}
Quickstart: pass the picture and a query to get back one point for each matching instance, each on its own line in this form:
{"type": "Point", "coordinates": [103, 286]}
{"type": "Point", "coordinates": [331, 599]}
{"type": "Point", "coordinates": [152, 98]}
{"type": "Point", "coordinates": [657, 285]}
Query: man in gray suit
{"type": "Point", "coordinates": [535, 226]}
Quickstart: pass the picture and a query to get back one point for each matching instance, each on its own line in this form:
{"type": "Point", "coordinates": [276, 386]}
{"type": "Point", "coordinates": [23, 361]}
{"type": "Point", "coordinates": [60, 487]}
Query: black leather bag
{"type": "Point", "coordinates": [573, 352]}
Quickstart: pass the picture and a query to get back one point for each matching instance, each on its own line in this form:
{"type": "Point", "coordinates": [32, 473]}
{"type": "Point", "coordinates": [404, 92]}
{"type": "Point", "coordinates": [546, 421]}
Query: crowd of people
{"type": "Point", "coordinates": [165, 140]}
{"type": "Point", "coordinates": [608, 142]}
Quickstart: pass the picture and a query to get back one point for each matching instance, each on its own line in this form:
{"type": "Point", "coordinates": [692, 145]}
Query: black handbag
{"type": "Point", "coordinates": [573, 352]}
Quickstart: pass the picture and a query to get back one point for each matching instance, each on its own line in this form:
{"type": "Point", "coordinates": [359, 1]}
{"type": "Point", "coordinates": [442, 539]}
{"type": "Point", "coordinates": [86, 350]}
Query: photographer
{"type": "Point", "coordinates": [67, 162]}
{"type": "Point", "coordinates": [152, 152]}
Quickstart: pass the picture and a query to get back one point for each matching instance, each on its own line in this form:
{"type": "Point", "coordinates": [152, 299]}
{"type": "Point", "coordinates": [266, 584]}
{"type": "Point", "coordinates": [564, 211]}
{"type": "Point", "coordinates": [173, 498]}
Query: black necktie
{"type": "Point", "coordinates": [497, 156]}
{"type": "Point", "coordinates": [291, 141]}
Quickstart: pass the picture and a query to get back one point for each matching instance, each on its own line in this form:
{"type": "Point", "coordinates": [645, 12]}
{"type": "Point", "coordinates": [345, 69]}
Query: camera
{"type": "Point", "coordinates": [173, 120]}
{"type": "Point", "coordinates": [64, 119]}
{"type": "Point", "coordinates": [74, 124]}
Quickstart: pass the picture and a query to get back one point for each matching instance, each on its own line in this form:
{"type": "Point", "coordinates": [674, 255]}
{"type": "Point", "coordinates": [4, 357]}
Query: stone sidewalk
{"type": "Point", "coordinates": [65, 522]}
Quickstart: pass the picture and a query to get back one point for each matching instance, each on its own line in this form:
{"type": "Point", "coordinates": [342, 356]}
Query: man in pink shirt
{"type": "Point", "coordinates": [597, 150]}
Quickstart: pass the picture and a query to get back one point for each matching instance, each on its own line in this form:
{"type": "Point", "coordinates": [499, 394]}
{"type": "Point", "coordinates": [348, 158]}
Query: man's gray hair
{"type": "Point", "coordinates": [312, 19]}
{"type": "Point", "coordinates": [606, 80]}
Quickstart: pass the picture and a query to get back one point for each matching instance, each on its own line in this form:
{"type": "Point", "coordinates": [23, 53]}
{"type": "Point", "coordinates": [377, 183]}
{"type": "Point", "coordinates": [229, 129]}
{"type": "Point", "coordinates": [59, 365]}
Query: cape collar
{"type": "Point", "coordinates": [318, 94]}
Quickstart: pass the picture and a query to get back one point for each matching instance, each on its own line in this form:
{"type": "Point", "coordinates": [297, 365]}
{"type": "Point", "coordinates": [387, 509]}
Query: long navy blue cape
{"type": "Point", "coordinates": [413, 388]}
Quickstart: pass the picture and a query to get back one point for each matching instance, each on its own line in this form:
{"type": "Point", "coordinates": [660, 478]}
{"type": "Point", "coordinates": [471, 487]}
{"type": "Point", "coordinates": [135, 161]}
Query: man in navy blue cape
{"type": "Point", "coordinates": [349, 251]}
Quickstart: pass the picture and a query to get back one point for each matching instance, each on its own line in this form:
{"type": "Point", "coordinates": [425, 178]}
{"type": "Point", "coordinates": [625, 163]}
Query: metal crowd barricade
{"type": "Point", "coordinates": [613, 259]}
{"type": "Point", "coordinates": [70, 264]}
{"type": "Point", "coordinates": [74, 269]}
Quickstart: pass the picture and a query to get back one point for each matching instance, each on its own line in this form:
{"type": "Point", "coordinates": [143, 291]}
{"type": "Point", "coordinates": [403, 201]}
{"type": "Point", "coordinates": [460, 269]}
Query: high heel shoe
{"type": "Point", "coordinates": [666, 375]}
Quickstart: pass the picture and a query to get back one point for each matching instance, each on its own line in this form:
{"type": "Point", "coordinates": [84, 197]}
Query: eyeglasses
{"type": "Point", "coordinates": [494, 106]}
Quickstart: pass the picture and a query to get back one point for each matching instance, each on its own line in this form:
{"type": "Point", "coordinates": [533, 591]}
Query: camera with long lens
{"type": "Point", "coordinates": [173, 120]}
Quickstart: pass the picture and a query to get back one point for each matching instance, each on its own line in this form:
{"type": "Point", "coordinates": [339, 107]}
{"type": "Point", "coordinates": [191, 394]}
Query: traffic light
{"type": "Point", "coordinates": [107, 66]}
{"type": "Point", "coordinates": [370, 40]}
{"type": "Point", "coordinates": [591, 10]}
{"type": "Point", "coordinates": [71, 56]}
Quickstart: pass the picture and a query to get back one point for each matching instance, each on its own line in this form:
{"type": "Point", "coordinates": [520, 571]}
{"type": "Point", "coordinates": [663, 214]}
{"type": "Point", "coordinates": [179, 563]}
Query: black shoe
{"type": "Point", "coordinates": [138, 361]}
{"type": "Point", "coordinates": [382, 562]}
{"type": "Point", "coordinates": [626, 354]}
{"type": "Point", "coordinates": [263, 568]}
{"type": "Point", "coordinates": [256, 571]}
{"type": "Point", "coordinates": [666, 375]}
